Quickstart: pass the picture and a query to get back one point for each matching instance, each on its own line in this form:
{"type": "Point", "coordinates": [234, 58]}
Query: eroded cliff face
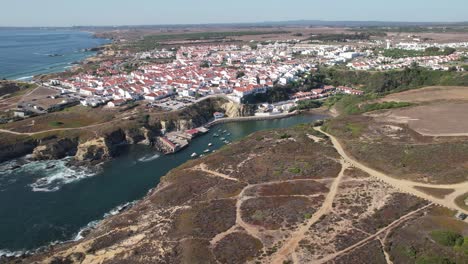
{"type": "Point", "coordinates": [55, 149]}
{"type": "Point", "coordinates": [237, 110]}
{"type": "Point", "coordinates": [100, 148]}
{"type": "Point", "coordinates": [16, 149]}
{"type": "Point", "coordinates": [143, 135]}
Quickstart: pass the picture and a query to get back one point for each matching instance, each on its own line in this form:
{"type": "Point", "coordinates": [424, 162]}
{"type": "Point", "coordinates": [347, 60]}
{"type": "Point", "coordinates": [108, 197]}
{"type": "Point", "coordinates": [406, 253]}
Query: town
{"type": "Point", "coordinates": [193, 72]}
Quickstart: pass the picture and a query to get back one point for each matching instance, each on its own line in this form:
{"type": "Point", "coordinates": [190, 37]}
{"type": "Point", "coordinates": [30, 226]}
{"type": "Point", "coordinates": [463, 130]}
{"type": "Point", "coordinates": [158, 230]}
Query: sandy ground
{"type": "Point", "coordinates": [436, 119]}
{"type": "Point", "coordinates": [431, 93]}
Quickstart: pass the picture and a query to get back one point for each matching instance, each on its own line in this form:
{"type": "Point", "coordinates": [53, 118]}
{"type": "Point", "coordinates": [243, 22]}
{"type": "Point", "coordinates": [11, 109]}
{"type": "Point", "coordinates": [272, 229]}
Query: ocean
{"type": "Point", "coordinates": [25, 53]}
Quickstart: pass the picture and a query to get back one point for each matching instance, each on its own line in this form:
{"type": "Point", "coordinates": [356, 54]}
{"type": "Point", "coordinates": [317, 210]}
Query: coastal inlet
{"type": "Point", "coordinates": [43, 202]}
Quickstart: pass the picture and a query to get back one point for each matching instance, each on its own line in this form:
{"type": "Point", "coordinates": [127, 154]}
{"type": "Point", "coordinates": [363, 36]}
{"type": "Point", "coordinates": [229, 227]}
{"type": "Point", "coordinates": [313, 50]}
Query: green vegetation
{"type": "Point", "coordinates": [388, 81]}
{"type": "Point", "coordinates": [295, 170]}
{"type": "Point", "coordinates": [273, 95]}
{"type": "Point", "coordinates": [432, 51]}
{"type": "Point", "coordinates": [355, 129]}
{"type": "Point", "coordinates": [307, 216]}
{"type": "Point", "coordinates": [353, 104]}
{"type": "Point", "coordinates": [307, 104]}
{"type": "Point", "coordinates": [340, 37]}
{"type": "Point", "coordinates": [451, 239]}
{"type": "Point", "coordinates": [461, 245]}
{"type": "Point", "coordinates": [446, 238]}
{"type": "Point", "coordinates": [11, 89]}
{"type": "Point", "coordinates": [284, 136]}
{"type": "Point", "coordinates": [433, 260]}
{"type": "Point", "coordinates": [209, 35]}
{"type": "Point", "coordinates": [385, 105]}
{"type": "Point", "coordinates": [56, 124]}
{"type": "Point", "coordinates": [460, 201]}
{"type": "Point", "coordinates": [412, 29]}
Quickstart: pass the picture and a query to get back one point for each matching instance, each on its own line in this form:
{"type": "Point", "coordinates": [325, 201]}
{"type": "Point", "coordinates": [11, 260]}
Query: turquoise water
{"type": "Point", "coordinates": [40, 205]}
{"type": "Point", "coordinates": [25, 53]}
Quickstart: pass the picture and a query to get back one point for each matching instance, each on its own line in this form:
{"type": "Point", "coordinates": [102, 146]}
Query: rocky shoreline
{"type": "Point", "coordinates": [104, 146]}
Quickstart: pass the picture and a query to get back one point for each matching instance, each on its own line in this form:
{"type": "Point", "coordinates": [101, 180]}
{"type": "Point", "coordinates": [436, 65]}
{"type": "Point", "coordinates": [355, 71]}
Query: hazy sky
{"type": "Point", "coordinates": [144, 12]}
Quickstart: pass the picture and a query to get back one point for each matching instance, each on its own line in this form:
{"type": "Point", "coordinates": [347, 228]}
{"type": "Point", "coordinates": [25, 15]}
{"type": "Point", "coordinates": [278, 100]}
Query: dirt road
{"type": "Point", "coordinates": [405, 185]}
{"type": "Point", "coordinates": [291, 244]}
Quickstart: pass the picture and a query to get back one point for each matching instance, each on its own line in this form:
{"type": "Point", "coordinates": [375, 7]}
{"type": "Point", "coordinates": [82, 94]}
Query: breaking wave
{"type": "Point", "coordinates": [148, 158]}
{"type": "Point", "coordinates": [93, 224]}
{"type": "Point", "coordinates": [49, 176]}
{"type": "Point", "coordinates": [58, 174]}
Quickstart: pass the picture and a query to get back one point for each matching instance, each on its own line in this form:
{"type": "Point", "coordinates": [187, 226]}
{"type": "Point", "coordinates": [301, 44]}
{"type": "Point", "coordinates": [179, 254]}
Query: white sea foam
{"type": "Point", "coordinates": [119, 209]}
{"type": "Point", "coordinates": [58, 174]}
{"type": "Point", "coordinates": [8, 253]}
{"type": "Point", "coordinates": [149, 158]}
{"type": "Point", "coordinates": [25, 78]}
{"type": "Point", "coordinates": [88, 227]}
{"type": "Point", "coordinates": [91, 225]}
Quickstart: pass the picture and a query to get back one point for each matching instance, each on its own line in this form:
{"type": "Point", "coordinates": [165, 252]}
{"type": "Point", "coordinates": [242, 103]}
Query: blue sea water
{"type": "Point", "coordinates": [28, 52]}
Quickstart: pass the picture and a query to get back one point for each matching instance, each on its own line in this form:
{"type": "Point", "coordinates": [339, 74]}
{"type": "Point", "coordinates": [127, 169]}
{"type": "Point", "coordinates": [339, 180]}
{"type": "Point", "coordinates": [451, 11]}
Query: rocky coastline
{"type": "Point", "coordinates": [104, 146]}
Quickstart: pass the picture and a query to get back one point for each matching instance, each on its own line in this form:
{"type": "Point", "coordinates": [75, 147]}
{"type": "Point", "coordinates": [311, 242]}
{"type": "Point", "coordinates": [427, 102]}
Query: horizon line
{"type": "Point", "coordinates": [273, 22]}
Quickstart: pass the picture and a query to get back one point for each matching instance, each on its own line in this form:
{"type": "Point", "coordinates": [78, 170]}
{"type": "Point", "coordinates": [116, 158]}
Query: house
{"type": "Point", "coordinates": [151, 97]}
{"type": "Point", "coordinates": [87, 91]}
{"type": "Point", "coordinates": [167, 146]}
{"type": "Point", "coordinates": [116, 103]}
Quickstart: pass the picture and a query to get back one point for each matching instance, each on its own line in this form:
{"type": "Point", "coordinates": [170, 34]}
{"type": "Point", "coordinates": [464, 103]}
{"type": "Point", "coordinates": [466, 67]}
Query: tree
{"type": "Point", "coordinates": [240, 74]}
{"type": "Point", "coordinates": [205, 64]}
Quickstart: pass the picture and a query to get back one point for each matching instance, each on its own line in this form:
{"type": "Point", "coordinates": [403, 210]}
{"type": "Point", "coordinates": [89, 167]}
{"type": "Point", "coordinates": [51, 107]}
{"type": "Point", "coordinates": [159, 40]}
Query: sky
{"type": "Point", "coordinates": [156, 12]}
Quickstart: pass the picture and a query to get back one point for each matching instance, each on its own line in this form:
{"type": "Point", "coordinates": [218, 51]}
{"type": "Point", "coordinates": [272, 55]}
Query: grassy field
{"type": "Point", "coordinates": [460, 201]}
{"type": "Point", "coordinates": [73, 117]}
{"type": "Point", "coordinates": [439, 193]}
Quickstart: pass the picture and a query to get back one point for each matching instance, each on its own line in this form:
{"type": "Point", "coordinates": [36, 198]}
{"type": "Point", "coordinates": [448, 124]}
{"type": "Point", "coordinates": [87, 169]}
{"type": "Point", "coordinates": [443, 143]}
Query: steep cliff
{"type": "Point", "coordinates": [55, 149]}
{"type": "Point", "coordinates": [16, 149]}
{"type": "Point", "coordinates": [232, 109]}
{"type": "Point", "coordinates": [100, 148]}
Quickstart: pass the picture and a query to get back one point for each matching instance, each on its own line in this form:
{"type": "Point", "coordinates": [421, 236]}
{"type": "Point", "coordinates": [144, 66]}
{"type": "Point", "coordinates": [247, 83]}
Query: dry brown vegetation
{"type": "Point", "coordinates": [244, 205]}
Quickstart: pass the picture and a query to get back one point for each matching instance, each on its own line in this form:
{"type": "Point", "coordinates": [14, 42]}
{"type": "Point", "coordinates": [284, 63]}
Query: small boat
{"type": "Point", "coordinates": [193, 155]}
{"type": "Point", "coordinates": [227, 142]}
{"type": "Point", "coordinates": [210, 144]}
{"type": "Point", "coordinates": [228, 134]}
{"type": "Point", "coordinates": [206, 150]}
{"type": "Point", "coordinates": [223, 139]}
{"type": "Point", "coordinates": [215, 135]}
{"type": "Point", "coordinates": [224, 131]}
{"type": "Point", "coordinates": [219, 130]}
{"type": "Point", "coordinates": [201, 156]}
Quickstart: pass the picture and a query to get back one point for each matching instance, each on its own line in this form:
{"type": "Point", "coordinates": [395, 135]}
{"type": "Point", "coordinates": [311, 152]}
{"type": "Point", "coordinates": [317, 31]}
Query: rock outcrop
{"type": "Point", "coordinates": [16, 149]}
{"type": "Point", "coordinates": [100, 148]}
{"type": "Point", "coordinates": [55, 149]}
{"type": "Point", "coordinates": [238, 110]}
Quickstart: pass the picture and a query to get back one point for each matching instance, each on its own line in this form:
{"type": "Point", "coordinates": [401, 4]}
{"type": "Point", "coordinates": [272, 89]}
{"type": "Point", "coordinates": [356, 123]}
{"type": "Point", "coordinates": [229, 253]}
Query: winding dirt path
{"type": "Point", "coordinates": [290, 245]}
{"type": "Point", "coordinates": [405, 185]}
